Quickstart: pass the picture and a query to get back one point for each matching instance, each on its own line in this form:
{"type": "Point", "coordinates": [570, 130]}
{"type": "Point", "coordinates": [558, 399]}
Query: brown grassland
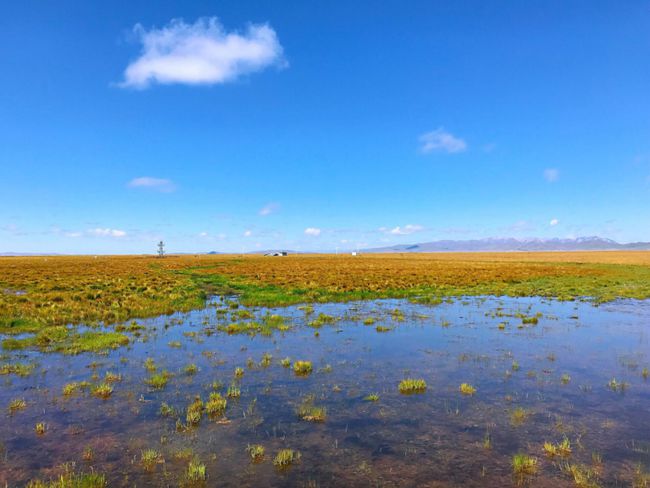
{"type": "Point", "coordinates": [37, 292]}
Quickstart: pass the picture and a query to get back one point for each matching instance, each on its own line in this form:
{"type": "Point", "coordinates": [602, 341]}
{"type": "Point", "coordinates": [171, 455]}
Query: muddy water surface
{"type": "Point", "coordinates": [534, 383]}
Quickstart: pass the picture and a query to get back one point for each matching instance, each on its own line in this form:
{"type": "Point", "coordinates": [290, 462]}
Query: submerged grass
{"type": "Point", "coordinates": [618, 386]}
{"type": "Point", "coordinates": [70, 478]}
{"type": "Point", "coordinates": [309, 412]}
{"type": "Point", "coordinates": [66, 341]}
{"type": "Point", "coordinates": [19, 369]}
{"type": "Point", "coordinates": [519, 416]}
{"type": "Point", "coordinates": [265, 327]}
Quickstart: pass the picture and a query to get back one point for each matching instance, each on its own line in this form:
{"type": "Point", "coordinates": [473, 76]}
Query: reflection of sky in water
{"type": "Point", "coordinates": [419, 438]}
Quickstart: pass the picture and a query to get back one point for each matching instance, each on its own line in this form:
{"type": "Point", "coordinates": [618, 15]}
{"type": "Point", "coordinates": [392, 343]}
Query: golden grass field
{"type": "Point", "coordinates": [55, 290]}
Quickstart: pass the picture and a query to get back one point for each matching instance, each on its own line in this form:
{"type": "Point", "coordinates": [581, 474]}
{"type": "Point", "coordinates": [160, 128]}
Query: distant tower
{"type": "Point", "coordinates": [161, 249]}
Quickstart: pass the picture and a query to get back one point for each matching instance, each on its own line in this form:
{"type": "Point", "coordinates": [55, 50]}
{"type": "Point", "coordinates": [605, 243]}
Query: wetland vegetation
{"type": "Point", "coordinates": [490, 370]}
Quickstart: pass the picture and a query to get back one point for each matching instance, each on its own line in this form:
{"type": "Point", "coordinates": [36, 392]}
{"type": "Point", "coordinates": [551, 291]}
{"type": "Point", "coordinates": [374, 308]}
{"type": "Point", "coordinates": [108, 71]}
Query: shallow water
{"type": "Point", "coordinates": [431, 439]}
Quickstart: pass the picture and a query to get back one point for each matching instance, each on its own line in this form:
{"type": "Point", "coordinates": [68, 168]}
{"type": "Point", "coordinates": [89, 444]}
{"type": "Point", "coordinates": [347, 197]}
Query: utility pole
{"type": "Point", "coordinates": [161, 249]}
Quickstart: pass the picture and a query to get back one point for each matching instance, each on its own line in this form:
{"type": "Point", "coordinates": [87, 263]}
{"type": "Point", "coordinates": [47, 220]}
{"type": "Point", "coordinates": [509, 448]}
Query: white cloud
{"type": "Point", "coordinates": [269, 208]}
{"type": "Point", "coordinates": [312, 231]}
{"type": "Point", "coordinates": [159, 184]}
{"type": "Point", "coordinates": [248, 233]}
{"type": "Point", "coordinates": [442, 141]}
{"type": "Point", "coordinates": [551, 174]}
{"type": "Point", "coordinates": [553, 222]}
{"type": "Point", "coordinates": [106, 232]}
{"type": "Point", "coordinates": [207, 236]}
{"type": "Point", "coordinates": [402, 231]}
{"type": "Point", "coordinates": [201, 53]}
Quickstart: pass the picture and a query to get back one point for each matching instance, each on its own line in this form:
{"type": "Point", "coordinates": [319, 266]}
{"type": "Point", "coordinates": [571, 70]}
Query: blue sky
{"type": "Point", "coordinates": [237, 125]}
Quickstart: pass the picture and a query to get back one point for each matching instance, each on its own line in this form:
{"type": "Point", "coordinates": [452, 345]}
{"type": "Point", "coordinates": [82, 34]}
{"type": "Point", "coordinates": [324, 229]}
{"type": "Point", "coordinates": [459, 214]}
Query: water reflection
{"type": "Point", "coordinates": [535, 383]}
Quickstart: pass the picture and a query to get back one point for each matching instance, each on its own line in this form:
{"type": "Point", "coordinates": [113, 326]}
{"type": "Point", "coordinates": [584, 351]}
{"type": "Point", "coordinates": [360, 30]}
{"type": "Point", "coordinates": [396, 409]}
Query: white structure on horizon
{"type": "Point", "coordinates": [277, 253]}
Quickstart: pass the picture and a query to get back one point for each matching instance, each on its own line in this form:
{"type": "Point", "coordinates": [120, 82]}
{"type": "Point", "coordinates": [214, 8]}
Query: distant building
{"type": "Point", "coordinates": [355, 253]}
{"type": "Point", "coordinates": [277, 253]}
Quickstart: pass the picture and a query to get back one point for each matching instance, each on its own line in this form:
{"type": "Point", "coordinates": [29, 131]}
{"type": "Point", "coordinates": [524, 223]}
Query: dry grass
{"type": "Point", "coordinates": [46, 291]}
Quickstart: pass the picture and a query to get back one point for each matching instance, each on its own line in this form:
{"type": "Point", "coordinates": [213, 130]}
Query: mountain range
{"type": "Point", "coordinates": [496, 244]}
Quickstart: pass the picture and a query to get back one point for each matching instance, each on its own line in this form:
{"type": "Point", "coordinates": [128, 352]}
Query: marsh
{"type": "Point", "coordinates": [434, 437]}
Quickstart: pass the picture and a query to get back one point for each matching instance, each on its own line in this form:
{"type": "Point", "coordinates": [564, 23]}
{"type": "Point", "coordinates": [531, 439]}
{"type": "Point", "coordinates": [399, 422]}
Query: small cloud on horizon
{"type": "Point", "coordinates": [202, 53]}
{"type": "Point", "coordinates": [551, 175]}
{"type": "Point", "coordinates": [207, 236]}
{"type": "Point", "coordinates": [104, 232]}
{"type": "Point", "coordinates": [162, 185]}
{"type": "Point", "coordinates": [312, 231]}
{"type": "Point", "coordinates": [248, 233]}
{"type": "Point", "coordinates": [553, 222]}
{"type": "Point", "coordinates": [440, 140]}
{"type": "Point", "coordinates": [402, 231]}
{"type": "Point", "coordinates": [269, 208]}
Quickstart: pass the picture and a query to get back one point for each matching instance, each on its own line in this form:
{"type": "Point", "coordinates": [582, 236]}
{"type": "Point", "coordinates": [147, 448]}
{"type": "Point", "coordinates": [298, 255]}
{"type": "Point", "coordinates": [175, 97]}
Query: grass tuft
{"type": "Point", "coordinates": [467, 389]}
{"type": "Point", "coordinates": [410, 385]}
{"type": "Point", "coordinates": [285, 458]}
{"type": "Point", "coordinates": [72, 479]}
{"type": "Point", "coordinates": [560, 449]}
{"type": "Point", "coordinates": [216, 404]}
{"type": "Point", "coordinates": [523, 466]}
{"type": "Point", "coordinates": [302, 368]}
{"type": "Point", "coordinates": [102, 390]}
{"type": "Point", "coordinates": [256, 452]}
